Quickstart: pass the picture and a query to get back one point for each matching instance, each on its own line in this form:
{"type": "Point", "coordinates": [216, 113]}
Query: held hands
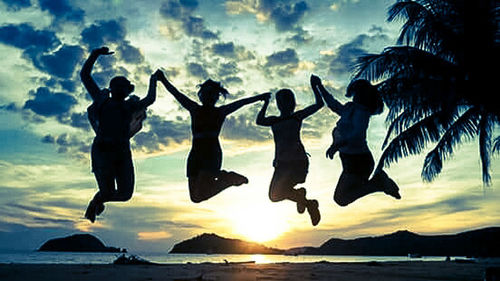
{"type": "Point", "coordinates": [102, 51]}
{"type": "Point", "coordinates": [158, 75]}
{"type": "Point", "coordinates": [315, 80]}
{"type": "Point", "coordinates": [266, 97]}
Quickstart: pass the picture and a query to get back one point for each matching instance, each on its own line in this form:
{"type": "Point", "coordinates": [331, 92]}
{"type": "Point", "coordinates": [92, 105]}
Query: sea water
{"type": "Point", "coordinates": [32, 257]}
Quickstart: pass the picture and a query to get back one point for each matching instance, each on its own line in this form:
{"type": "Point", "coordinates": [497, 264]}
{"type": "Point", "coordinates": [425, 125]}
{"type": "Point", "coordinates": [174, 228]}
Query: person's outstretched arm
{"type": "Point", "coordinates": [232, 107]}
{"type": "Point", "coordinates": [331, 102]}
{"type": "Point", "coordinates": [186, 102]}
{"type": "Point", "coordinates": [151, 96]}
{"type": "Point", "coordinates": [262, 120]}
{"type": "Point", "coordinates": [308, 111]}
{"type": "Point", "coordinates": [87, 79]}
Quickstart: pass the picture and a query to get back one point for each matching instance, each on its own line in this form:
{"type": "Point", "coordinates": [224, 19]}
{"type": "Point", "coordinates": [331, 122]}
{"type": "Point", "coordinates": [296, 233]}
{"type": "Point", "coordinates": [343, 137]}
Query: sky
{"type": "Point", "coordinates": [251, 46]}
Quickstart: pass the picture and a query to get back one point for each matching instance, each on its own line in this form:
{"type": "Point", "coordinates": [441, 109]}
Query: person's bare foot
{"type": "Point", "coordinates": [90, 213]}
{"type": "Point", "coordinates": [389, 186]}
{"type": "Point", "coordinates": [236, 179]}
{"type": "Point", "coordinates": [312, 209]}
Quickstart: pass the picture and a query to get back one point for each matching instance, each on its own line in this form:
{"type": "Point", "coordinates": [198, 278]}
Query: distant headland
{"type": "Point", "coordinates": [78, 243]}
{"type": "Point", "coordinates": [475, 243]}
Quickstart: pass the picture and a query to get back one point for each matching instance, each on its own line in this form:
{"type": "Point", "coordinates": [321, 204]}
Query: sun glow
{"type": "Point", "coordinates": [259, 223]}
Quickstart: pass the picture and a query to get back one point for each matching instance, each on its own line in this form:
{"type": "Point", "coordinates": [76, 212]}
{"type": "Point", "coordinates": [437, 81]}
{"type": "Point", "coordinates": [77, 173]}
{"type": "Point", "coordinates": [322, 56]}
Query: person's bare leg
{"type": "Point", "coordinates": [206, 185]}
{"type": "Point", "coordinates": [281, 188]}
{"type": "Point", "coordinates": [125, 180]}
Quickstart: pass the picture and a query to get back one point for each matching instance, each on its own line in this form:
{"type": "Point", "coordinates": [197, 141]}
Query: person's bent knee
{"type": "Point", "coordinates": [195, 198]}
{"type": "Point", "coordinates": [342, 202]}
{"type": "Point", "coordinates": [125, 196]}
{"type": "Point", "coordinates": [275, 197]}
{"type": "Point", "coordinates": [194, 194]}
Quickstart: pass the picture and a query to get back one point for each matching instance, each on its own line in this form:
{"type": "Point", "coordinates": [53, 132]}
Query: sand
{"type": "Point", "coordinates": [384, 271]}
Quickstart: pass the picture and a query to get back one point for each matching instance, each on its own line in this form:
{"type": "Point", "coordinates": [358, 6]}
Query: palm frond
{"type": "Point", "coordinates": [465, 127]}
{"type": "Point", "coordinates": [434, 26]}
{"type": "Point", "coordinates": [412, 141]}
{"type": "Point", "coordinates": [485, 134]}
{"type": "Point", "coordinates": [403, 61]}
{"type": "Point", "coordinates": [496, 145]}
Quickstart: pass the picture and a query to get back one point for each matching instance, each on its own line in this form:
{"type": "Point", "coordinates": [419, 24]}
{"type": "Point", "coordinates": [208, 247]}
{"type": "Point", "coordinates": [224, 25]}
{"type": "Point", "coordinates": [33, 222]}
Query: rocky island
{"type": "Point", "coordinates": [78, 243]}
{"type": "Point", "coordinates": [214, 244]}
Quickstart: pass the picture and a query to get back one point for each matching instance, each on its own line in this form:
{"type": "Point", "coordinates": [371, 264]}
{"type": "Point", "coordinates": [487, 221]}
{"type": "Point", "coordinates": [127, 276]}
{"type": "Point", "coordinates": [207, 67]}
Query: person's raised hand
{"type": "Point", "coordinates": [330, 152]}
{"type": "Point", "coordinates": [102, 51]}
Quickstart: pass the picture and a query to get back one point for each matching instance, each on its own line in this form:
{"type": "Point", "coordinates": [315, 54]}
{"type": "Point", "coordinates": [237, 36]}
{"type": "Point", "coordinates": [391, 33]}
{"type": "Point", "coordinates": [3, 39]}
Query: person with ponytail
{"type": "Point", "coordinates": [205, 177]}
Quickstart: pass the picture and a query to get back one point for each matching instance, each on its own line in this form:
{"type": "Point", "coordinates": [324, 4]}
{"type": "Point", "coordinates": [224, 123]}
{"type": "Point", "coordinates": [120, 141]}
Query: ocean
{"type": "Point", "coordinates": [33, 257]}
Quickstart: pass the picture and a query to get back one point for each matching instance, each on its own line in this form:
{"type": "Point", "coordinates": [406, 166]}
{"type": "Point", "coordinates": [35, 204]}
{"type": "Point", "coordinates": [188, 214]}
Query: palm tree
{"type": "Point", "coordinates": [436, 82]}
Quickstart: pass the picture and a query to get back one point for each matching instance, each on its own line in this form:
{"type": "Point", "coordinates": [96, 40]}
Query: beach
{"type": "Point", "coordinates": [383, 271]}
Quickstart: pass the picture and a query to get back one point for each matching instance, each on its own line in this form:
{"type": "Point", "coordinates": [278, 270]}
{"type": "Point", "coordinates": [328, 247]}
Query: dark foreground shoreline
{"type": "Point", "coordinates": [384, 271]}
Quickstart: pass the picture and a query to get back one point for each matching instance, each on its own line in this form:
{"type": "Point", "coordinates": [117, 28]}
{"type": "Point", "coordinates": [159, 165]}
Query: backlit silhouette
{"type": "Point", "coordinates": [206, 179]}
{"type": "Point", "coordinates": [350, 140]}
{"type": "Point", "coordinates": [290, 160]}
{"type": "Point", "coordinates": [115, 120]}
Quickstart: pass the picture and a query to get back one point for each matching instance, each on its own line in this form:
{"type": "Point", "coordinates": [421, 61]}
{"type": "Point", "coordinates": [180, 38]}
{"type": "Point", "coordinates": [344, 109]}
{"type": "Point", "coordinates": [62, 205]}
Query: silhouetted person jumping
{"type": "Point", "coordinates": [115, 120]}
{"type": "Point", "coordinates": [349, 138]}
{"type": "Point", "coordinates": [206, 179]}
{"type": "Point", "coordinates": [290, 159]}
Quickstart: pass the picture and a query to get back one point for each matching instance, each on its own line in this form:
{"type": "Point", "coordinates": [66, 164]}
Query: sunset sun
{"type": "Point", "coordinates": [259, 223]}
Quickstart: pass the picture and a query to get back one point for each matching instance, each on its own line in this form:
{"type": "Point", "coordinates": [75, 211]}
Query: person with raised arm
{"type": "Point", "coordinates": [115, 119]}
{"type": "Point", "coordinates": [205, 177]}
{"type": "Point", "coordinates": [349, 138]}
{"type": "Point", "coordinates": [291, 162]}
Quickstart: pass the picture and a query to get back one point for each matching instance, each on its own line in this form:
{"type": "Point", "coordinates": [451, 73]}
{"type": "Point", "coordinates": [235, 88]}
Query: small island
{"type": "Point", "coordinates": [78, 243]}
{"type": "Point", "coordinates": [214, 244]}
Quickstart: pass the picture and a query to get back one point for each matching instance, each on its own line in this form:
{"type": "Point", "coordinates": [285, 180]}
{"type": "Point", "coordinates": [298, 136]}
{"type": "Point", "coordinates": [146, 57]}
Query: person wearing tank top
{"type": "Point", "coordinates": [291, 162]}
{"type": "Point", "coordinates": [204, 163]}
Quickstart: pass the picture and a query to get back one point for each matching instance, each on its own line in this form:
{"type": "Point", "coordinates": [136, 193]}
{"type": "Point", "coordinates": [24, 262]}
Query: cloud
{"type": "Point", "coordinates": [337, 5]}
{"type": "Point", "coordinates": [15, 5]}
{"type": "Point", "coordinates": [156, 235]}
{"type": "Point", "coordinates": [231, 51]}
{"type": "Point", "coordinates": [195, 26]}
{"type": "Point", "coordinates": [161, 133]}
{"type": "Point", "coordinates": [178, 9]}
{"type": "Point", "coordinates": [104, 32]}
{"type": "Point", "coordinates": [61, 63]}
{"type": "Point", "coordinates": [281, 58]}
{"type": "Point", "coordinates": [282, 63]}
{"type": "Point", "coordinates": [79, 120]}
{"type": "Point", "coordinates": [182, 11]}
{"type": "Point", "coordinates": [300, 36]}
{"type": "Point", "coordinates": [129, 53]}
{"type": "Point", "coordinates": [47, 103]}
{"type": "Point", "coordinates": [243, 127]}
{"type": "Point", "coordinates": [345, 57]}
{"type": "Point", "coordinates": [62, 11]}
{"type": "Point", "coordinates": [24, 36]}
{"type": "Point", "coordinates": [227, 72]}
{"type": "Point", "coordinates": [197, 70]}
{"type": "Point", "coordinates": [77, 145]}
{"type": "Point", "coordinates": [285, 14]}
